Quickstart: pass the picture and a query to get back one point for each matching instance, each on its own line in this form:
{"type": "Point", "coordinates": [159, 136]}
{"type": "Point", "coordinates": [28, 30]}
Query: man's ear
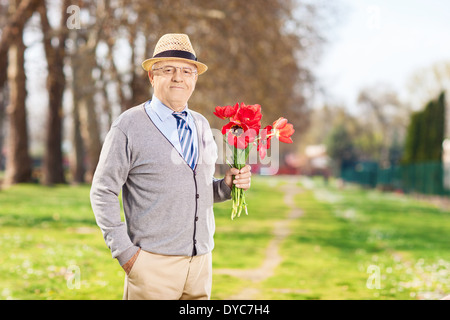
{"type": "Point", "coordinates": [150, 77]}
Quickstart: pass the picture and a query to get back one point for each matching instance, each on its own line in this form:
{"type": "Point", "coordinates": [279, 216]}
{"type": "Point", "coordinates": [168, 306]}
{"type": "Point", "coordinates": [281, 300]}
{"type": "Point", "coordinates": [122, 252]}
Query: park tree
{"type": "Point", "coordinates": [341, 148]}
{"type": "Point", "coordinates": [54, 45]}
{"type": "Point", "coordinates": [384, 118]}
{"type": "Point", "coordinates": [18, 14]}
{"type": "Point", "coordinates": [12, 51]}
{"type": "Point", "coordinates": [427, 83]}
{"type": "Point", "coordinates": [85, 135]}
{"type": "Point", "coordinates": [426, 133]}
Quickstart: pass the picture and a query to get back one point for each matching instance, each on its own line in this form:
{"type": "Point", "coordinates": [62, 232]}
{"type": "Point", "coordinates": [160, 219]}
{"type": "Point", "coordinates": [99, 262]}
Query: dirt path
{"type": "Point", "coordinates": [272, 257]}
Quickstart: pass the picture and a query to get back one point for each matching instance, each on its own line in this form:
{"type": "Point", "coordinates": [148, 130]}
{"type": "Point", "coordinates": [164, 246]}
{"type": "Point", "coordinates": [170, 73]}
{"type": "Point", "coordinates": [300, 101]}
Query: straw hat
{"type": "Point", "coordinates": [174, 46]}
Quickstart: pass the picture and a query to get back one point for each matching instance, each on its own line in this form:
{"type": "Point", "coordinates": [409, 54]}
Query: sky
{"type": "Point", "coordinates": [382, 41]}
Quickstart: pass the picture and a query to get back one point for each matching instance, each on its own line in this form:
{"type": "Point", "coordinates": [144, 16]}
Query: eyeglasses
{"type": "Point", "coordinates": [170, 70]}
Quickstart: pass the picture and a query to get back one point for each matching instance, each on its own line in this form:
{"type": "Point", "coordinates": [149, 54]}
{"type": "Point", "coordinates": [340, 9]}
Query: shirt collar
{"type": "Point", "coordinates": [162, 111]}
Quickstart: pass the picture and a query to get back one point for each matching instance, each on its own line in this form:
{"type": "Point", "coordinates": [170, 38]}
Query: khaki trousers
{"type": "Point", "coordinates": [161, 277]}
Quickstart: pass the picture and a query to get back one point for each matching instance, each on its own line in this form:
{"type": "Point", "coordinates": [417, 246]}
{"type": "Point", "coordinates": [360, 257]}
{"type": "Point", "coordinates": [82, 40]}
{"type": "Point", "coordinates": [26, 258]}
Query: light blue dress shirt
{"type": "Point", "coordinates": [162, 117]}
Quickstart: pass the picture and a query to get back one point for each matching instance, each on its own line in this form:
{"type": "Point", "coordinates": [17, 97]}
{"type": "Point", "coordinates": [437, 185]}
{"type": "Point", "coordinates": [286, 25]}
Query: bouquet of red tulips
{"type": "Point", "coordinates": [242, 132]}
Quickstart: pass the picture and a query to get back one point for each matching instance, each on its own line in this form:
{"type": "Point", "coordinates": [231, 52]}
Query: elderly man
{"type": "Point", "coordinates": [162, 155]}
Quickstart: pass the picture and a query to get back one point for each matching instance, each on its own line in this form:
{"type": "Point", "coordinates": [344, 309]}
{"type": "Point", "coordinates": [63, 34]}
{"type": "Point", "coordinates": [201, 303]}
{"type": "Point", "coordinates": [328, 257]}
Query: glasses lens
{"type": "Point", "coordinates": [187, 71]}
{"type": "Point", "coordinates": [169, 70]}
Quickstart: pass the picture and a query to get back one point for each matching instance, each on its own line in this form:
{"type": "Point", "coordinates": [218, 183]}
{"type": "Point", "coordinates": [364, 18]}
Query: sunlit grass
{"type": "Point", "coordinates": [48, 234]}
{"type": "Point", "coordinates": [345, 236]}
{"type": "Point", "coordinates": [241, 243]}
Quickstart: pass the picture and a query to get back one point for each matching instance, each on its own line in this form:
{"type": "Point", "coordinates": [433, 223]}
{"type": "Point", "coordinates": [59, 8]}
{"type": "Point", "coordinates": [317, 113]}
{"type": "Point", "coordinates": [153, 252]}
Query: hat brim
{"type": "Point", "coordinates": [147, 64]}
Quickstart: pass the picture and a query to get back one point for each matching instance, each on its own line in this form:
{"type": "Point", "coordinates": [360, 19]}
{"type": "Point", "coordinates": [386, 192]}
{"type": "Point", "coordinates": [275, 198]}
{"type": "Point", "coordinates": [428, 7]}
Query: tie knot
{"type": "Point", "coordinates": [180, 115]}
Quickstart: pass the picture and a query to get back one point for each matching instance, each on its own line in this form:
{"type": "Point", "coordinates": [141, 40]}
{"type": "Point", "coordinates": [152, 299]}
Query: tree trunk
{"type": "Point", "coordinates": [13, 30]}
{"type": "Point", "coordinates": [90, 134]}
{"type": "Point", "coordinates": [3, 105]}
{"type": "Point", "coordinates": [18, 161]}
{"type": "Point", "coordinates": [85, 115]}
{"type": "Point", "coordinates": [139, 84]}
{"type": "Point", "coordinates": [52, 169]}
{"type": "Point", "coordinates": [77, 169]}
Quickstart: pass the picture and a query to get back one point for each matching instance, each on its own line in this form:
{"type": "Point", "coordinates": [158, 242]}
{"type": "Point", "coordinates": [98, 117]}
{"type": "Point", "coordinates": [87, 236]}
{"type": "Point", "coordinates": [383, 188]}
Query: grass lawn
{"type": "Point", "coordinates": [363, 244]}
{"type": "Point", "coordinates": [241, 243]}
{"type": "Point", "coordinates": [49, 236]}
{"type": "Point", "coordinates": [336, 250]}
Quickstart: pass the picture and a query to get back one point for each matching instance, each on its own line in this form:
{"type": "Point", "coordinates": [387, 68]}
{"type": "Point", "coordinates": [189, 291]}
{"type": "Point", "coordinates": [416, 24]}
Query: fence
{"type": "Point", "coordinates": [426, 178]}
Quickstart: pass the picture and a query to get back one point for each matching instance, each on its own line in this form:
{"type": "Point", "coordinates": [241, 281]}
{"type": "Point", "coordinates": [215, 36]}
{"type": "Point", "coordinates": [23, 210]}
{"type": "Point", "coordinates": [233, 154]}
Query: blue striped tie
{"type": "Point", "coordinates": [186, 138]}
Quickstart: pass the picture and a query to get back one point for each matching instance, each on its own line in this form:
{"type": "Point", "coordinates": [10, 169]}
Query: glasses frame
{"type": "Point", "coordinates": [186, 75]}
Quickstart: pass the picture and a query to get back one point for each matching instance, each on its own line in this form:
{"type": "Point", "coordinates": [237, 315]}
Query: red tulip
{"type": "Point", "coordinates": [245, 122]}
{"type": "Point", "coordinates": [239, 134]}
{"type": "Point", "coordinates": [226, 111]}
{"type": "Point", "coordinates": [283, 130]}
{"type": "Point", "coordinates": [249, 115]}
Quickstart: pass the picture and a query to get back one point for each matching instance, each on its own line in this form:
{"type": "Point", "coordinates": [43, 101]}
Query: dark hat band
{"type": "Point", "coordinates": [176, 54]}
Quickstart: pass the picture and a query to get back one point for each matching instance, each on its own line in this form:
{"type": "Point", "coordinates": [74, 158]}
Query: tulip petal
{"type": "Point", "coordinates": [280, 123]}
{"type": "Point", "coordinates": [227, 127]}
{"type": "Point", "coordinates": [285, 139]}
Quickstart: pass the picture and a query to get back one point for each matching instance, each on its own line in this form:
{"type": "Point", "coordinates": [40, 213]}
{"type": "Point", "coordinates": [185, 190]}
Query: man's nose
{"type": "Point", "coordinates": [177, 75]}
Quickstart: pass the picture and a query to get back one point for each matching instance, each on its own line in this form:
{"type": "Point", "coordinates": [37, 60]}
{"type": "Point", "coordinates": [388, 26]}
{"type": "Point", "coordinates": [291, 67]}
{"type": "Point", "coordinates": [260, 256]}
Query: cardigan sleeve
{"type": "Point", "coordinates": [222, 191]}
{"type": "Point", "coordinates": [110, 175]}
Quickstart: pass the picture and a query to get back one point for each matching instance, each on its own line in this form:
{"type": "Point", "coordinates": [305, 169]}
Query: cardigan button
{"type": "Point", "coordinates": [196, 218]}
{"type": "Point", "coordinates": [197, 196]}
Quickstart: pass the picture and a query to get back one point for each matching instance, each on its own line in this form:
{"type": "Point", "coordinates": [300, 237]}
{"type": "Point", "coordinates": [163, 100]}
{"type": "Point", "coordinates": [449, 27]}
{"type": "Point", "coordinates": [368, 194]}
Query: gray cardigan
{"type": "Point", "coordinates": [168, 206]}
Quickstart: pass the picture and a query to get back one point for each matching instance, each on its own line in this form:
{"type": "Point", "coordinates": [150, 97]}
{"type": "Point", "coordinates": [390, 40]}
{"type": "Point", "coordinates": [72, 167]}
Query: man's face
{"type": "Point", "coordinates": [174, 90]}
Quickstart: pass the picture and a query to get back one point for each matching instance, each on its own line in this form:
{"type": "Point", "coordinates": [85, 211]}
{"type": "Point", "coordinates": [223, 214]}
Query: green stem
{"type": "Point", "coordinates": [237, 194]}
